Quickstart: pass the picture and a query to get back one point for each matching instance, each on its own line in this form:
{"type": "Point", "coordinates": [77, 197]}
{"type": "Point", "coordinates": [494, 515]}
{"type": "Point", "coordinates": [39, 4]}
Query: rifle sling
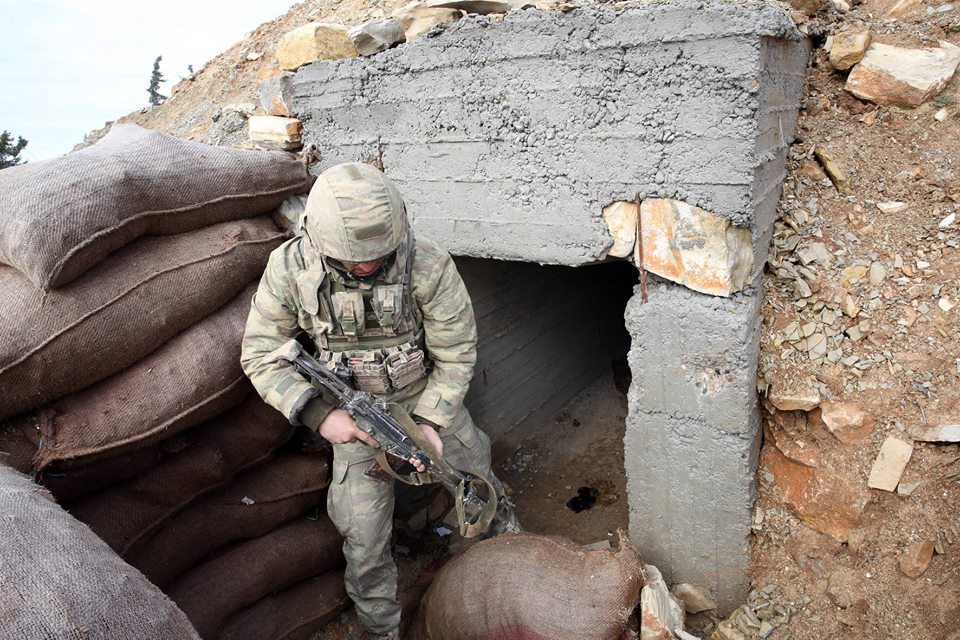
{"type": "Point", "coordinates": [468, 529]}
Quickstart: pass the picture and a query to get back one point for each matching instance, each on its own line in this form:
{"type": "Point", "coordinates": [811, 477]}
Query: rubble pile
{"type": "Point", "coordinates": [859, 354]}
{"type": "Point", "coordinates": [126, 398]}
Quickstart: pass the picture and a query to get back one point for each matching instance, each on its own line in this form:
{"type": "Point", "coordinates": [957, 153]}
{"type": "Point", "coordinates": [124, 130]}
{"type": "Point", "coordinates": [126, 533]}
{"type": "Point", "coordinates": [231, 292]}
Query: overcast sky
{"type": "Point", "coordinates": [69, 66]}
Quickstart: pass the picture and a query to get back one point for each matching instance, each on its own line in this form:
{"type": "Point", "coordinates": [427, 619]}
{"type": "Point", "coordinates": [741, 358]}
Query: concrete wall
{"type": "Point", "coordinates": [544, 333]}
{"type": "Point", "coordinates": [508, 137]}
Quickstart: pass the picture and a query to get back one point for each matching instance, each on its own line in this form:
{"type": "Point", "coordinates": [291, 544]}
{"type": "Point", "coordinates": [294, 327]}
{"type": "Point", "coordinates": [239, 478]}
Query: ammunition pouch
{"type": "Point", "coordinates": [369, 371]}
{"type": "Point", "coordinates": [405, 364]}
{"type": "Point", "coordinates": [348, 308]}
{"type": "Point", "coordinates": [380, 371]}
{"type": "Point", "coordinates": [388, 305]}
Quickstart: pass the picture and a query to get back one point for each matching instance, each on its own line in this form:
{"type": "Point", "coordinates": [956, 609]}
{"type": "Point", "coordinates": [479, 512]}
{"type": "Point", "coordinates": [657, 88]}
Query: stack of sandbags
{"type": "Point", "coordinates": [60, 581]}
{"type": "Point", "coordinates": [127, 274]}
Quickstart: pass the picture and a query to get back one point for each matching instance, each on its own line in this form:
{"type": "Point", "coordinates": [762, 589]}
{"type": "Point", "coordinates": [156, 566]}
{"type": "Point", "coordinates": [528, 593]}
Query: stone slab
{"type": "Point", "coordinates": [936, 433]}
{"type": "Point", "coordinates": [901, 76]}
{"type": "Point", "coordinates": [314, 41]}
{"type": "Point", "coordinates": [890, 463]}
{"type": "Point", "coordinates": [694, 247]}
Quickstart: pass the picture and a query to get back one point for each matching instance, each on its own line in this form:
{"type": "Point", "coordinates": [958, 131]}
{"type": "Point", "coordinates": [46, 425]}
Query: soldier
{"type": "Point", "coordinates": [394, 309]}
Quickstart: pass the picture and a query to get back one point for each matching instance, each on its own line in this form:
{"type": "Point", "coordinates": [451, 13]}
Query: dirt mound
{"type": "Point", "coordinates": [199, 107]}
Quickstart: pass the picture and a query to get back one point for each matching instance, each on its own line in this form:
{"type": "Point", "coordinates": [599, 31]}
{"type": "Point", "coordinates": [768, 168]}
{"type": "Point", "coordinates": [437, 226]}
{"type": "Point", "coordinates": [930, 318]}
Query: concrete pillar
{"type": "Point", "coordinates": [692, 435]}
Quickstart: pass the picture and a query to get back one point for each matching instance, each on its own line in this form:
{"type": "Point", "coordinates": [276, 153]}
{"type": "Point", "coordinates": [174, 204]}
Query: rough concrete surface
{"type": "Point", "coordinates": [509, 136]}
{"type": "Point", "coordinates": [692, 435]}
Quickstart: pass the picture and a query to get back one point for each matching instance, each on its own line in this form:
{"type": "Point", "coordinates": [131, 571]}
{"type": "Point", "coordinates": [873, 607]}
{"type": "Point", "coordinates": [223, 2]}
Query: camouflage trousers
{"type": "Point", "coordinates": [362, 510]}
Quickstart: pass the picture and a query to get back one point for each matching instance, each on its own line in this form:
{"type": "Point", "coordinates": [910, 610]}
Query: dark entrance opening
{"type": "Point", "coordinates": [550, 388]}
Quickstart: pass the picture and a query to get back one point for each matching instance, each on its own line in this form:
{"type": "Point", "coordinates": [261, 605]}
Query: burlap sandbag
{"type": "Point", "coordinates": [531, 587]}
{"type": "Point", "coordinates": [61, 582]}
{"type": "Point", "coordinates": [72, 480]}
{"type": "Point", "coordinates": [141, 296]}
{"type": "Point", "coordinates": [256, 502]}
{"type": "Point", "coordinates": [213, 454]}
{"type": "Point", "coordinates": [16, 448]}
{"type": "Point", "coordinates": [60, 217]}
{"type": "Point", "coordinates": [235, 578]}
{"type": "Point", "coordinates": [295, 613]}
{"type": "Point", "coordinates": [192, 378]}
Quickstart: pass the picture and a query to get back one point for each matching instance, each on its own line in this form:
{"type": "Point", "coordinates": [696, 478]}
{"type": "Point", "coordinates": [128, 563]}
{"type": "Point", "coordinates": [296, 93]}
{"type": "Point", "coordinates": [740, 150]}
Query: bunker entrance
{"type": "Point", "coordinates": [550, 388]}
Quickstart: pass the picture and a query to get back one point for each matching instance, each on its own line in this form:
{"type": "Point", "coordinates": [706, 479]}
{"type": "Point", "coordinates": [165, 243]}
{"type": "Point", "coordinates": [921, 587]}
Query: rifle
{"type": "Point", "coordinates": [399, 436]}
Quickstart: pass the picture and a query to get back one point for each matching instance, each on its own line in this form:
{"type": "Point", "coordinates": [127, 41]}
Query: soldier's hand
{"type": "Point", "coordinates": [434, 439]}
{"type": "Point", "coordinates": [339, 428]}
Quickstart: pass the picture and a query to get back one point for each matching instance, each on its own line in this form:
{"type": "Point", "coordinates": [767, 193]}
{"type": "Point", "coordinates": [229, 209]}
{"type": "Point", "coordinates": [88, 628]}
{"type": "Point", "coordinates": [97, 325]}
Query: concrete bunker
{"type": "Point", "coordinates": [509, 136]}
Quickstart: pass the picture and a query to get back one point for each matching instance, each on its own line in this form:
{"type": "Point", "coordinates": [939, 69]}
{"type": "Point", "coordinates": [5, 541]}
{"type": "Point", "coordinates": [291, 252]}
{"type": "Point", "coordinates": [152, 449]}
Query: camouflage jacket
{"type": "Point", "coordinates": [277, 314]}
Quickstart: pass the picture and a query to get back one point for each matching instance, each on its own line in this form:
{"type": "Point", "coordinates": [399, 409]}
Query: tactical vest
{"type": "Point", "coordinates": [375, 328]}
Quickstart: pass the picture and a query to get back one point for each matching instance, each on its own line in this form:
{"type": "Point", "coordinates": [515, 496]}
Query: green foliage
{"type": "Point", "coordinates": [942, 101]}
{"type": "Point", "coordinates": [10, 150]}
{"type": "Point", "coordinates": [155, 79]}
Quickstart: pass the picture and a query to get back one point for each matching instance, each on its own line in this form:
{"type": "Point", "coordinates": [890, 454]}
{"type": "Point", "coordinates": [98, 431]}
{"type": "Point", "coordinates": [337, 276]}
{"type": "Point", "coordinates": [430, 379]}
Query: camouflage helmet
{"type": "Point", "coordinates": [354, 213]}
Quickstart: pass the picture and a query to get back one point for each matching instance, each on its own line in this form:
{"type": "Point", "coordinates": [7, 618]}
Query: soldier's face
{"type": "Point", "coordinates": [362, 269]}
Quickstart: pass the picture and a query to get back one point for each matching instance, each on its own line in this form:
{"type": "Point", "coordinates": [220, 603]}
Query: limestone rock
{"type": "Point", "coordinates": [661, 616]}
{"type": "Point", "coordinates": [314, 41]}
{"type": "Point", "coordinates": [916, 558]}
{"type": "Point", "coordinates": [904, 77]}
{"type": "Point", "coordinates": [848, 422]}
{"type": "Point", "coordinates": [376, 36]}
{"type": "Point", "coordinates": [837, 175]}
{"type": "Point", "coordinates": [694, 598]}
{"type": "Point", "coordinates": [892, 207]}
{"type": "Point", "coordinates": [472, 6]}
{"type": "Point", "coordinates": [807, 7]}
{"type": "Point", "coordinates": [848, 48]}
{"type": "Point", "coordinates": [275, 95]}
{"type": "Point", "coordinates": [937, 433]}
{"type": "Point", "coordinates": [621, 219]}
{"type": "Point", "coordinates": [275, 132]}
{"type": "Point", "coordinates": [793, 399]}
{"type": "Point", "coordinates": [890, 463]}
{"type": "Point", "coordinates": [825, 500]}
{"type": "Point", "coordinates": [694, 247]}
{"type": "Point", "coordinates": [417, 18]}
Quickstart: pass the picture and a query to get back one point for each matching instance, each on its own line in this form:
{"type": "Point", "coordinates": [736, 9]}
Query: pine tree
{"type": "Point", "coordinates": [10, 150]}
{"type": "Point", "coordinates": [155, 79]}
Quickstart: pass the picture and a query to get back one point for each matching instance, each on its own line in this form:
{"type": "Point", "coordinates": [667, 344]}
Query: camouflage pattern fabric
{"type": "Point", "coordinates": [362, 509]}
{"type": "Point", "coordinates": [279, 312]}
{"type": "Point", "coordinates": [354, 214]}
